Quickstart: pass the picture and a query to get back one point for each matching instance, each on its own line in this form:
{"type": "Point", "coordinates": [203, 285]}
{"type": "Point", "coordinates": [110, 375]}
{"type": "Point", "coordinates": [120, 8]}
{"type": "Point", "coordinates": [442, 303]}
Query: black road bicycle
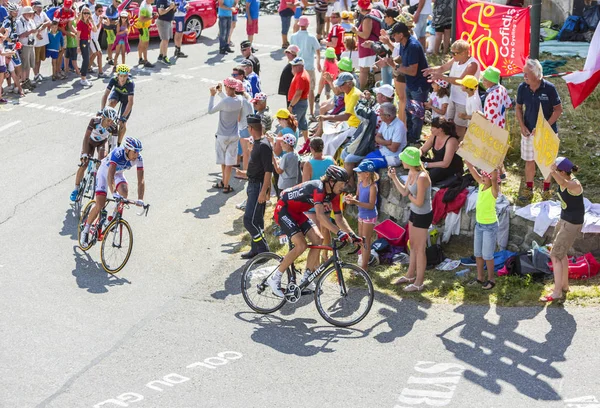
{"type": "Point", "coordinates": [343, 293]}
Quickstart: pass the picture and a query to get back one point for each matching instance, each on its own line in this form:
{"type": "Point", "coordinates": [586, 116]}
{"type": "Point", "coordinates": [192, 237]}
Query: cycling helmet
{"type": "Point", "coordinates": [337, 173]}
{"type": "Point", "coordinates": [131, 143]}
{"type": "Point", "coordinates": [122, 69]}
{"type": "Point", "coordinates": [110, 113]}
{"type": "Point", "coordinates": [12, 7]}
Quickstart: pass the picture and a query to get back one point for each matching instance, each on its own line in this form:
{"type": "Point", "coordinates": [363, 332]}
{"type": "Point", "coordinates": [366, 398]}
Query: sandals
{"type": "Point", "coordinates": [227, 189]}
{"type": "Point", "coordinates": [414, 288]}
{"type": "Point", "coordinates": [549, 298]}
{"type": "Point", "coordinates": [489, 285]}
{"type": "Point", "coordinates": [474, 282]}
{"type": "Point", "coordinates": [219, 185]}
{"type": "Point", "coordinates": [403, 279]}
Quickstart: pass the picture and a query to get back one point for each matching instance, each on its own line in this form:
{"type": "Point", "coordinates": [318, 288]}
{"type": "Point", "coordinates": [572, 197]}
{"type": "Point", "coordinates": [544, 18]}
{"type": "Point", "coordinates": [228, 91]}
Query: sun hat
{"type": "Point", "coordinates": [468, 81]}
{"type": "Point", "coordinates": [492, 74]}
{"type": "Point", "coordinates": [239, 86]}
{"type": "Point", "coordinates": [411, 156]}
{"type": "Point", "coordinates": [343, 78]}
{"type": "Point", "coordinates": [345, 64]}
{"type": "Point", "coordinates": [346, 15]}
{"type": "Point", "coordinates": [364, 4]}
{"type": "Point", "coordinates": [288, 138]}
{"type": "Point", "coordinates": [230, 82]}
{"type": "Point", "coordinates": [27, 9]}
{"type": "Point", "coordinates": [330, 52]}
{"type": "Point", "coordinates": [283, 113]}
{"type": "Point", "coordinates": [406, 18]}
{"type": "Point", "coordinates": [303, 21]}
{"type": "Point", "coordinates": [261, 96]}
{"type": "Point", "coordinates": [293, 49]}
{"type": "Point", "coordinates": [442, 83]}
{"type": "Point", "coordinates": [564, 164]}
{"type": "Point", "coordinates": [297, 61]}
{"type": "Point", "coordinates": [386, 90]}
{"type": "Point", "coordinates": [365, 166]}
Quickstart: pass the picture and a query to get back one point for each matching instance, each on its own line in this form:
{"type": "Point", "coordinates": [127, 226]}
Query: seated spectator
{"type": "Point", "coordinates": [439, 98]}
{"type": "Point", "coordinates": [287, 124]}
{"type": "Point", "coordinates": [329, 66]}
{"type": "Point", "coordinates": [391, 138]}
{"type": "Point", "coordinates": [350, 51]}
{"type": "Point", "coordinates": [383, 94]}
{"type": "Point", "coordinates": [445, 163]}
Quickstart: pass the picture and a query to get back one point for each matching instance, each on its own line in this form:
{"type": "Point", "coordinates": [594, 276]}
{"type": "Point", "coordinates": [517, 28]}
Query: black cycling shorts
{"type": "Point", "coordinates": [291, 224]}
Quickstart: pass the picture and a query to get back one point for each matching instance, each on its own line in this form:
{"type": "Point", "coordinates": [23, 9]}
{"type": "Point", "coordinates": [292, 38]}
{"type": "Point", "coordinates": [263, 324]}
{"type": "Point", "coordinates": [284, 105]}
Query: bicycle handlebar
{"type": "Point", "coordinates": [145, 207]}
{"type": "Point", "coordinates": [89, 159]}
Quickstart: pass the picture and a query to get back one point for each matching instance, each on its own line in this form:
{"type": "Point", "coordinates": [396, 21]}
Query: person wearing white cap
{"type": "Point", "coordinates": [42, 21]}
{"type": "Point", "coordinates": [285, 80]}
{"type": "Point", "coordinates": [27, 31]}
{"type": "Point", "coordinates": [385, 93]}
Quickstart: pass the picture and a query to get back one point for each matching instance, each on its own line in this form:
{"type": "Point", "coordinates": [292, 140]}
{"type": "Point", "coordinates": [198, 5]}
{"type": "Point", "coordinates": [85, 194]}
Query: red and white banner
{"type": "Point", "coordinates": [582, 83]}
{"type": "Point", "coordinates": [499, 35]}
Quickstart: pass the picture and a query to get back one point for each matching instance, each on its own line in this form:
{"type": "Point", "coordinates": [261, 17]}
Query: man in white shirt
{"type": "Point", "coordinates": [391, 138]}
{"type": "Point", "coordinates": [27, 32]}
{"type": "Point", "coordinates": [42, 22]}
{"type": "Point", "coordinates": [420, 17]}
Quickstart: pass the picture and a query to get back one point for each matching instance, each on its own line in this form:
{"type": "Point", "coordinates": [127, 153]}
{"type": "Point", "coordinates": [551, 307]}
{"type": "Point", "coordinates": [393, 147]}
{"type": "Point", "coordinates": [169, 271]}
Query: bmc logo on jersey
{"type": "Point", "coordinates": [292, 195]}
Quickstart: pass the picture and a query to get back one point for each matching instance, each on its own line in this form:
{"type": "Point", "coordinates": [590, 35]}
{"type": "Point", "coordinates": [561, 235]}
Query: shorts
{"type": "Point", "coordinates": [28, 57]}
{"type": "Point", "coordinates": [565, 235]}
{"type": "Point", "coordinates": [421, 26]}
{"type": "Point", "coordinates": [252, 27]}
{"type": "Point", "coordinates": [71, 54]}
{"type": "Point", "coordinates": [226, 148]}
{"type": "Point", "coordinates": [298, 13]}
{"type": "Point", "coordinates": [102, 180]}
{"type": "Point", "coordinates": [111, 35]}
{"type": "Point", "coordinates": [367, 62]}
{"type": "Point", "coordinates": [234, 18]}
{"type": "Point", "coordinates": [443, 28]}
{"type": "Point", "coordinates": [115, 96]}
{"type": "Point", "coordinates": [527, 148]}
{"type": "Point", "coordinates": [165, 29]}
{"type": "Point", "coordinates": [40, 53]}
{"type": "Point", "coordinates": [93, 146]}
{"type": "Point", "coordinates": [144, 34]}
{"type": "Point", "coordinates": [421, 220]}
{"type": "Point", "coordinates": [452, 114]}
{"type": "Point", "coordinates": [313, 79]}
{"type": "Point", "coordinates": [351, 158]}
{"type": "Point", "coordinates": [52, 54]}
{"type": "Point", "coordinates": [329, 11]}
{"type": "Point", "coordinates": [94, 46]}
{"type": "Point", "coordinates": [367, 220]}
{"type": "Point", "coordinates": [2, 69]}
{"type": "Point", "coordinates": [299, 110]}
{"type": "Point", "coordinates": [10, 66]}
{"type": "Point", "coordinates": [16, 60]}
{"type": "Point", "coordinates": [292, 223]}
{"type": "Point", "coordinates": [484, 240]}
{"type": "Point", "coordinates": [179, 24]}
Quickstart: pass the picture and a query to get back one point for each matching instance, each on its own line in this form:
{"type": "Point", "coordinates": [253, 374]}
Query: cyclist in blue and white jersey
{"type": "Point", "coordinates": [110, 176]}
{"type": "Point", "coordinates": [120, 89]}
{"type": "Point", "coordinates": [98, 131]}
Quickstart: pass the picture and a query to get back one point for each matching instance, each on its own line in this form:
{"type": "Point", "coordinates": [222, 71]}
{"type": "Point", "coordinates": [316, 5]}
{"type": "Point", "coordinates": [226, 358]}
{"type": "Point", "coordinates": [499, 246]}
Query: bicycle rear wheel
{"type": "Point", "coordinates": [257, 293]}
{"type": "Point", "coordinates": [82, 220]}
{"type": "Point", "coordinates": [116, 246]}
{"type": "Point", "coordinates": [345, 298]}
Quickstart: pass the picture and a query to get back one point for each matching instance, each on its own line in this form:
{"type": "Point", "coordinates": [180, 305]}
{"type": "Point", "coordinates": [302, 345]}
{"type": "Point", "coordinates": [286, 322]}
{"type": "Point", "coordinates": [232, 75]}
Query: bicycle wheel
{"type": "Point", "coordinates": [344, 299]}
{"type": "Point", "coordinates": [257, 293]}
{"type": "Point", "coordinates": [82, 220]}
{"type": "Point", "coordinates": [116, 246]}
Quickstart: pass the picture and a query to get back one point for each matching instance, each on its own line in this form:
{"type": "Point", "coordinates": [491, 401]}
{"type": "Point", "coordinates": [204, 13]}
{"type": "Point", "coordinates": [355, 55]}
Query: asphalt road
{"type": "Point", "coordinates": [171, 329]}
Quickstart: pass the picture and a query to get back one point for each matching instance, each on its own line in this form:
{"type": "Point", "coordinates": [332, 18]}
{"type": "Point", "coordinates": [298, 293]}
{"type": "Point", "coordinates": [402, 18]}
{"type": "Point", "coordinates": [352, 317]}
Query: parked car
{"type": "Point", "coordinates": [201, 14]}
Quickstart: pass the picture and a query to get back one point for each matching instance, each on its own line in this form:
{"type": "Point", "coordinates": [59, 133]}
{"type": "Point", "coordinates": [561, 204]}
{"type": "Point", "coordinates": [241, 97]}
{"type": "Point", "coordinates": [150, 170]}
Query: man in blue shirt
{"type": "Point", "coordinates": [532, 92]}
{"type": "Point", "coordinates": [164, 23]}
{"type": "Point", "coordinates": [252, 8]}
{"type": "Point", "coordinates": [3, 12]}
{"type": "Point", "coordinates": [225, 15]}
{"type": "Point", "coordinates": [413, 64]}
{"type": "Point", "coordinates": [251, 76]}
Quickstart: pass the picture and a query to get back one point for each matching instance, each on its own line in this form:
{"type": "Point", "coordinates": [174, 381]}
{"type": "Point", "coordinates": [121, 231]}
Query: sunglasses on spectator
{"type": "Point", "coordinates": [86, 12]}
{"type": "Point", "coordinates": [235, 75]}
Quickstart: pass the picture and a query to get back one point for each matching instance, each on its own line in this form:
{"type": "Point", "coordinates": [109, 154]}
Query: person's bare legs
{"type": "Point", "coordinates": [529, 171]}
{"type": "Point", "coordinates": [226, 174]}
{"type": "Point", "coordinates": [446, 41]}
{"type": "Point", "coordinates": [418, 244]}
{"type": "Point", "coordinates": [559, 279]}
{"type": "Point", "coordinates": [315, 238]}
{"type": "Point", "coordinates": [438, 43]}
{"type": "Point", "coordinates": [363, 77]}
{"type": "Point", "coordinates": [245, 152]}
{"type": "Point", "coordinates": [401, 93]}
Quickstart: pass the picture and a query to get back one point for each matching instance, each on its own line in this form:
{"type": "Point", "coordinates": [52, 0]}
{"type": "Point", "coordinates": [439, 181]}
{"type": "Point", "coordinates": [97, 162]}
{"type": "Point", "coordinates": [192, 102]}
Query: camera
{"type": "Point", "coordinates": [381, 50]}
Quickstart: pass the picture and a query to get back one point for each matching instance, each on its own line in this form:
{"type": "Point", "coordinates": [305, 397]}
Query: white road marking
{"type": "Point", "coordinates": [141, 81]}
{"type": "Point", "coordinates": [266, 46]}
{"type": "Point", "coordinates": [9, 125]}
{"type": "Point", "coordinates": [81, 97]}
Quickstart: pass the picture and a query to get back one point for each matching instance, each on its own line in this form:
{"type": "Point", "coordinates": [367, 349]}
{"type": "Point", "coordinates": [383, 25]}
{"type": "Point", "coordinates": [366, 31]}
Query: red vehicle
{"type": "Point", "coordinates": [201, 14]}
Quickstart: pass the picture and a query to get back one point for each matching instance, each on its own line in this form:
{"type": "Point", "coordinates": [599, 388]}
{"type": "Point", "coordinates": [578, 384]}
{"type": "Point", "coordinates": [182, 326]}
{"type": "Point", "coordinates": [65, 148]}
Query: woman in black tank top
{"type": "Point", "coordinates": [568, 228]}
{"type": "Point", "coordinates": [444, 144]}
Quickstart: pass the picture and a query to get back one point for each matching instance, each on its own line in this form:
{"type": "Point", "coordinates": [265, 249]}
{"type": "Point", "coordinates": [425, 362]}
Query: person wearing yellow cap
{"type": "Point", "coordinates": [470, 85]}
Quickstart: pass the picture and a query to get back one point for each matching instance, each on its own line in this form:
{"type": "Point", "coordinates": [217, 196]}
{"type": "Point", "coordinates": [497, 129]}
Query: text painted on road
{"type": "Point", "coordinates": [589, 401]}
{"type": "Point", "coordinates": [434, 386]}
{"type": "Point", "coordinates": [170, 381]}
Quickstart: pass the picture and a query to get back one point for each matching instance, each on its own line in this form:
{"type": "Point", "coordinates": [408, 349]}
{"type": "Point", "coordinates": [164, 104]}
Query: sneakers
{"type": "Point", "coordinates": [148, 64]}
{"type": "Point", "coordinates": [469, 261]}
{"type": "Point", "coordinates": [165, 60]}
{"type": "Point", "coordinates": [10, 88]}
{"type": "Point", "coordinates": [525, 196]}
{"type": "Point", "coordinates": [74, 193]}
{"type": "Point", "coordinates": [141, 61]}
{"type": "Point", "coordinates": [83, 239]}
{"type": "Point", "coordinates": [274, 283]}
{"type": "Point", "coordinates": [306, 148]}
{"type": "Point", "coordinates": [312, 285]}
{"type": "Point", "coordinates": [241, 206]}
{"type": "Point", "coordinates": [548, 195]}
{"type": "Point", "coordinates": [38, 78]}
{"type": "Point", "coordinates": [109, 61]}
{"type": "Point", "coordinates": [180, 54]}
{"type": "Point", "coordinates": [85, 82]}
{"type": "Point", "coordinates": [222, 51]}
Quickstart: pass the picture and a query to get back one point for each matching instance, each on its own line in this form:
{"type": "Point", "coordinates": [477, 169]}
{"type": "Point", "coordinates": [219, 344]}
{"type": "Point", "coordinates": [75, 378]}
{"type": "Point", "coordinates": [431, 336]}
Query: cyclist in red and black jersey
{"type": "Point", "coordinates": [289, 214]}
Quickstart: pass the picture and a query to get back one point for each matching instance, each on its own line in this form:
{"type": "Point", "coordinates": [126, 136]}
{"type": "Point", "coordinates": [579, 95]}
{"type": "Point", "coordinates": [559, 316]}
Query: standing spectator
{"type": "Point", "coordinates": [244, 133]}
{"type": "Point", "coordinates": [497, 100]}
{"type": "Point", "coordinates": [54, 49]}
{"type": "Point", "coordinates": [247, 53]}
{"type": "Point", "coordinates": [225, 15]}
{"type": "Point", "coordinates": [27, 32]}
{"type": "Point", "coordinates": [42, 22]}
{"type": "Point", "coordinates": [121, 44]}
{"type": "Point", "coordinates": [226, 143]}
{"type": "Point", "coordinates": [310, 49]}
{"type": "Point", "coordinates": [234, 19]}
{"type": "Point", "coordinates": [420, 15]}
{"type": "Point", "coordinates": [414, 63]}
{"type": "Point", "coordinates": [439, 98]}
{"type": "Point", "coordinates": [110, 28]}
{"type": "Point", "coordinates": [351, 53]}
{"type": "Point", "coordinates": [4, 56]}
{"type": "Point", "coordinates": [532, 92]}
{"type": "Point", "coordinates": [72, 46]}
{"type": "Point", "coordinates": [330, 67]}
{"type": "Point", "coordinates": [335, 38]}
{"type": "Point", "coordinates": [368, 30]}
{"type": "Point", "coordinates": [260, 170]}
{"type": "Point", "coordinates": [320, 14]}
{"type": "Point", "coordinates": [3, 10]}
{"type": "Point", "coordinates": [442, 23]}
{"type": "Point", "coordinates": [287, 166]}
{"type": "Point", "coordinates": [260, 108]}
{"type": "Point", "coordinates": [10, 26]}
{"type": "Point", "coordinates": [391, 138]}
{"type": "Point", "coordinates": [95, 49]}
{"type": "Point", "coordinates": [143, 25]}
{"type": "Point", "coordinates": [251, 76]}
{"type": "Point", "coordinates": [287, 9]}
{"type": "Point", "coordinates": [460, 65]}
{"type": "Point", "coordinates": [85, 26]}
{"type": "Point", "coordinates": [166, 12]}
{"type": "Point", "coordinates": [180, 12]}
{"type": "Point", "coordinates": [285, 80]}
{"type": "Point", "coordinates": [298, 96]}
{"type": "Point", "coordinates": [252, 14]}
{"type": "Point", "coordinates": [470, 84]}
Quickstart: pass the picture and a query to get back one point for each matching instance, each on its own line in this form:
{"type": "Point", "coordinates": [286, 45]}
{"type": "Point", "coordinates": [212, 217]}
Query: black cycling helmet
{"type": "Point", "coordinates": [337, 173]}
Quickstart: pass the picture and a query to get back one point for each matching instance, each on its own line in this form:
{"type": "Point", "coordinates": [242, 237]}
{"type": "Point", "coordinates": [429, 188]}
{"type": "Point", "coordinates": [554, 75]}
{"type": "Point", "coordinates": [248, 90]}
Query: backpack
{"type": "Point", "coordinates": [573, 29]}
{"type": "Point", "coordinates": [521, 265]}
{"type": "Point", "coordinates": [435, 255]}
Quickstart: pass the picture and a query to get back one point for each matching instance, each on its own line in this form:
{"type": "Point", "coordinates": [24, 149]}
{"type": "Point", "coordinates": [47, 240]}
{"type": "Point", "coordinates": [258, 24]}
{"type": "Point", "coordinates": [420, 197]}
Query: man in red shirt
{"type": "Point", "coordinates": [64, 16]}
{"type": "Point", "coordinates": [335, 38]}
{"type": "Point", "coordinates": [298, 95]}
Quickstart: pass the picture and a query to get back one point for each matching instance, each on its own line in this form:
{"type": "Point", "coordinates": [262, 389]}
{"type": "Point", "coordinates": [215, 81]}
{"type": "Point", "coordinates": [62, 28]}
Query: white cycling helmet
{"type": "Point", "coordinates": [12, 7]}
{"type": "Point", "coordinates": [110, 113]}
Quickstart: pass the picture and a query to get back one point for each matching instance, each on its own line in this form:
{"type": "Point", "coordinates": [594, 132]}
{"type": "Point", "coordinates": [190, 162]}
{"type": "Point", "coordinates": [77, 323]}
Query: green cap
{"type": "Point", "coordinates": [411, 156]}
{"type": "Point", "coordinates": [330, 52]}
{"type": "Point", "coordinates": [492, 74]}
{"type": "Point", "coordinates": [345, 64]}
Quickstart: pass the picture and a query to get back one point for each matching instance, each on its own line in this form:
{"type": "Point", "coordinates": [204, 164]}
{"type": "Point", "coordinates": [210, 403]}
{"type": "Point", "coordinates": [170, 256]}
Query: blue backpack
{"type": "Point", "coordinates": [573, 29]}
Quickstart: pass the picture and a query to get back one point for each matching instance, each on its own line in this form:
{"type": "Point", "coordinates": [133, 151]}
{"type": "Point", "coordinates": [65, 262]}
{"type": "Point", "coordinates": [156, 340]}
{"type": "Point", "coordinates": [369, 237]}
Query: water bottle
{"type": "Point", "coordinates": [462, 273]}
{"type": "Point", "coordinates": [103, 216]}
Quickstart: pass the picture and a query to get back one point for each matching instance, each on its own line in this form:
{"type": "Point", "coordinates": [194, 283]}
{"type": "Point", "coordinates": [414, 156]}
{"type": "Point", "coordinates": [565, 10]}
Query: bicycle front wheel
{"type": "Point", "coordinates": [344, 298]}
{"type": "Point", "coordinates": [116, 246]}
{"type": "Point", "coordinates": [257, 293]}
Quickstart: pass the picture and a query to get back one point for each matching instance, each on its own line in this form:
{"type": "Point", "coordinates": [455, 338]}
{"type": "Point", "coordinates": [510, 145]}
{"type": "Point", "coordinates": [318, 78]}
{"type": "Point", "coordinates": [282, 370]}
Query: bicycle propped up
{"type": "Point", "coordinates": [343, 294]}
{"type": "Point", "coordinates": [114, 232]}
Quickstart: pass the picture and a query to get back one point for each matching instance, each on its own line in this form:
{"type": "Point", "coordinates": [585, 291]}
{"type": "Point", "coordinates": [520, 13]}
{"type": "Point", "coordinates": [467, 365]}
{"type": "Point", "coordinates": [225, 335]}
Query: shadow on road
{"type": "Point", "coordinates": [69, 228]}
{"type": "Point", "coordinates": [212, 204]}
{"type": "Point", "coordinates": [500, 354]}
{"type": "Point", "coordinates": [91, 276]}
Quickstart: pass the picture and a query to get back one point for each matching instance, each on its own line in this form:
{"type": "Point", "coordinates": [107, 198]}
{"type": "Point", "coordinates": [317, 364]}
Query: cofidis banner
{"type": "Point", "coordinates": [499, 35]}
